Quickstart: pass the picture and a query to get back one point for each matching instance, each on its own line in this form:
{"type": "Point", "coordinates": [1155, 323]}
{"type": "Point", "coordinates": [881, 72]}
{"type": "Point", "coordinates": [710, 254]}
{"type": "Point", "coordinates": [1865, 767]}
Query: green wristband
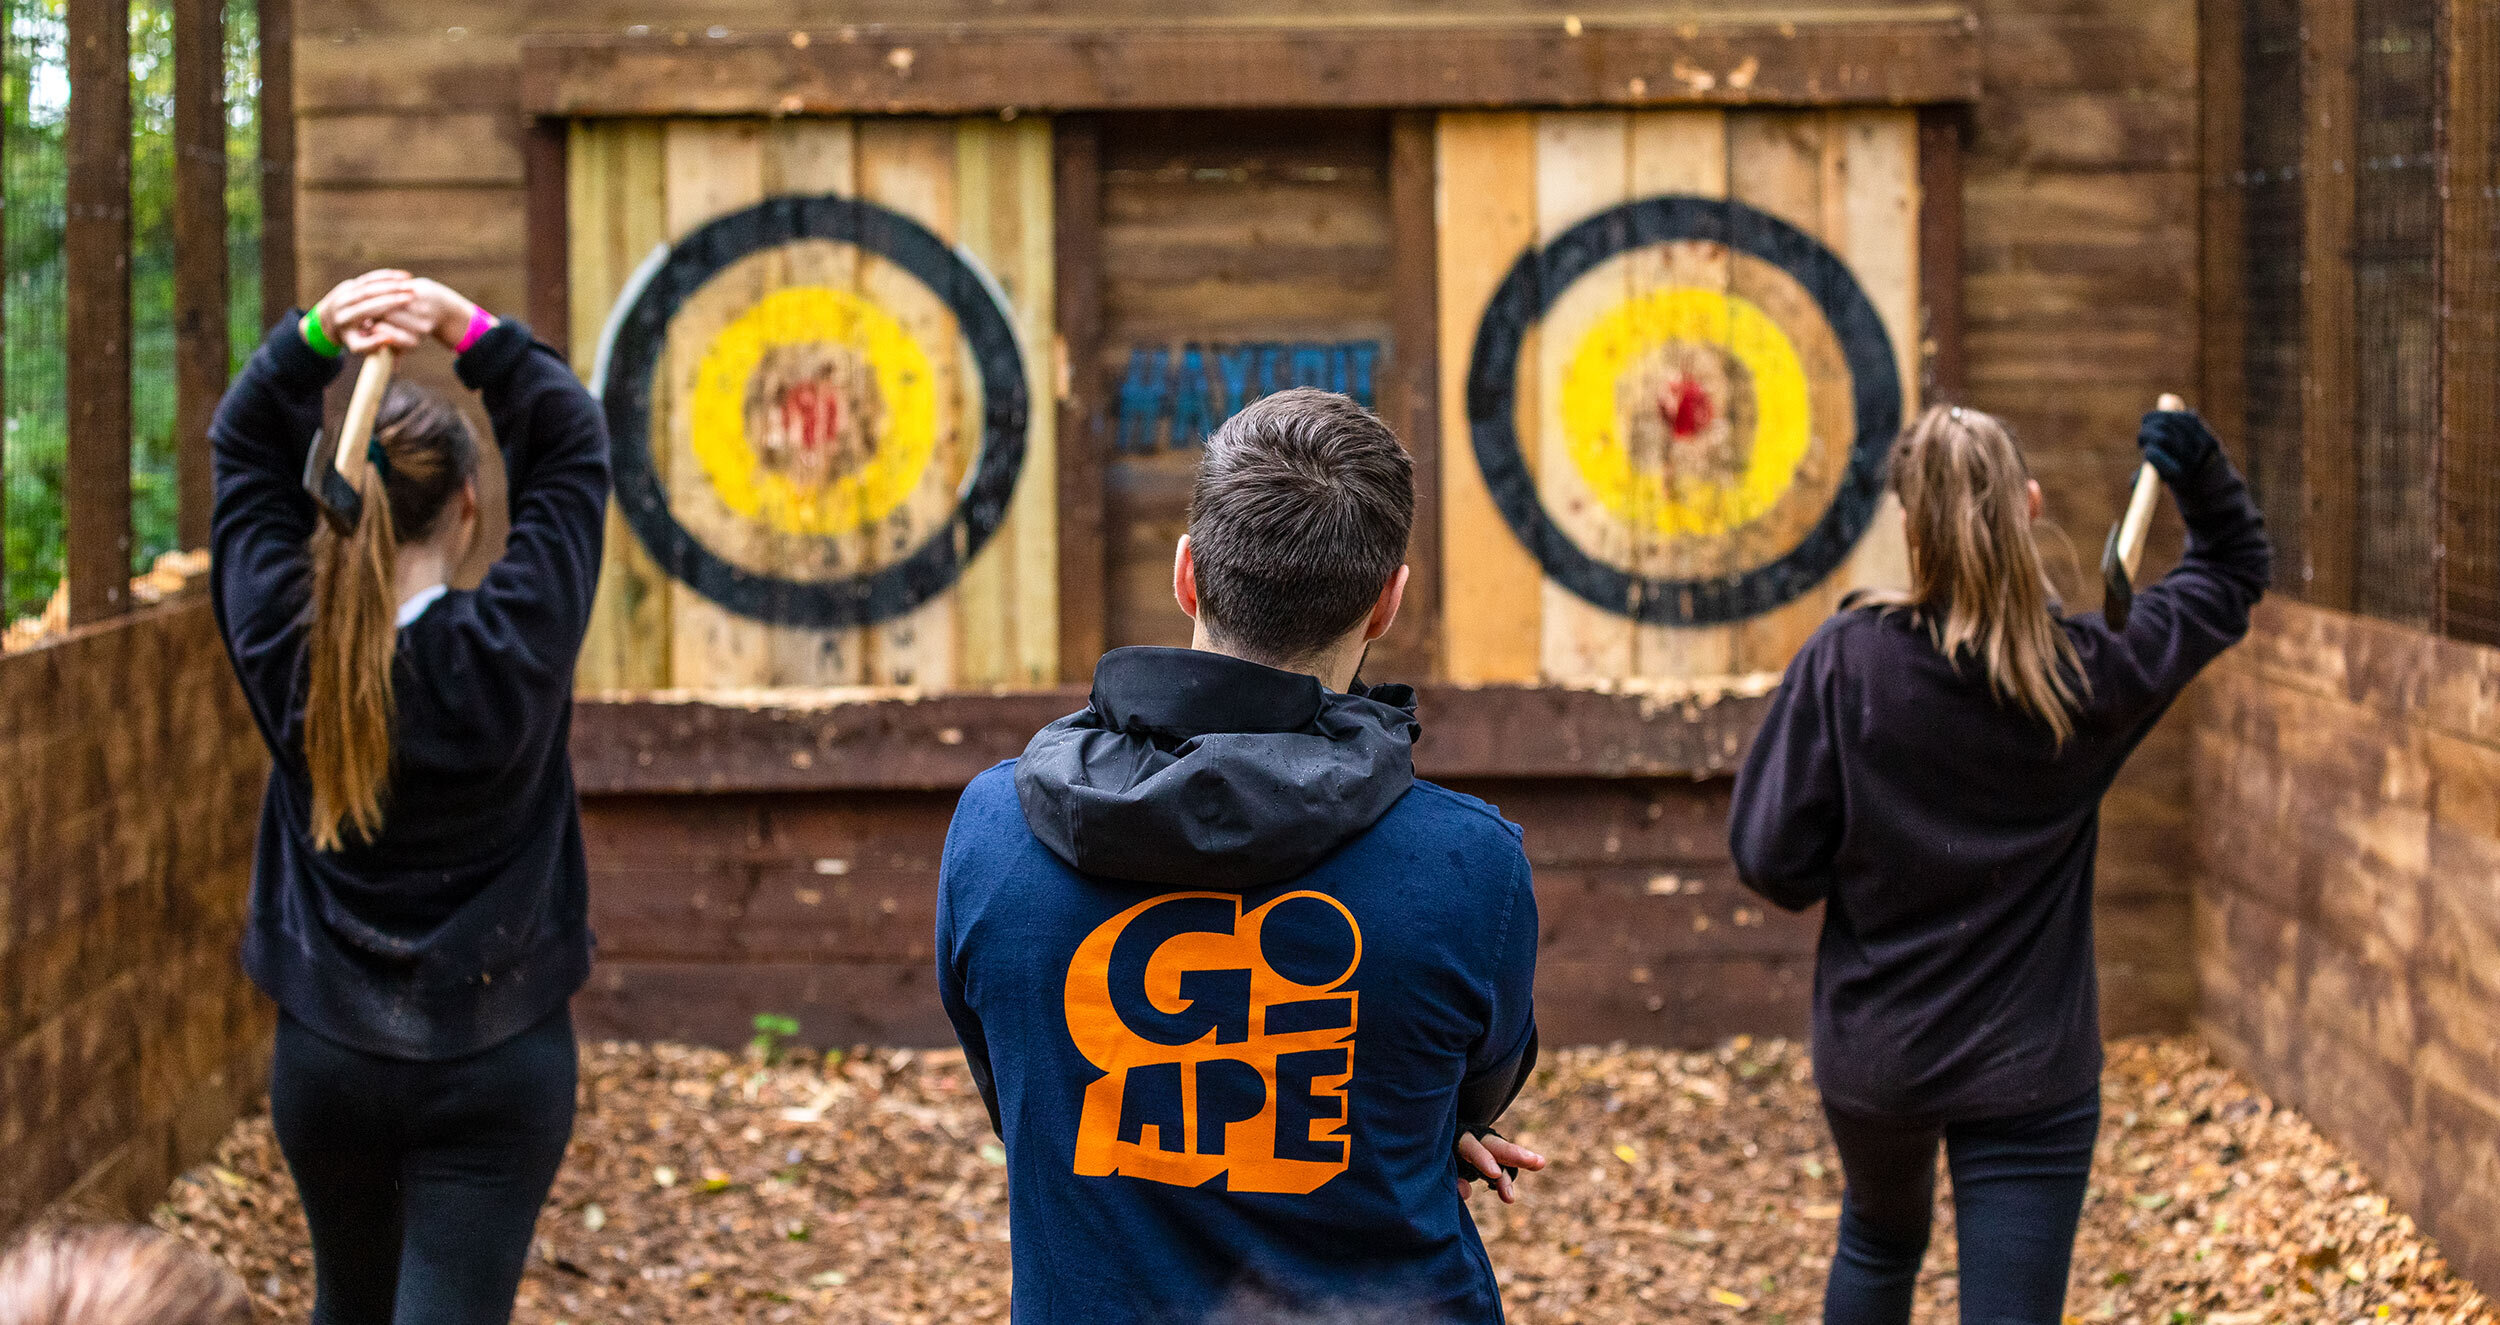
{"type": "Point", "coordinates": [318, 339]}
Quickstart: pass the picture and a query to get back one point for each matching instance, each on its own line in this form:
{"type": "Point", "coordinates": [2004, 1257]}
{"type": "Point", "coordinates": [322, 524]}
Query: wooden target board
{"type": "Point", "coordinates": [821, 353]}
{"type": "Point", "coordinates": [1676, 347]}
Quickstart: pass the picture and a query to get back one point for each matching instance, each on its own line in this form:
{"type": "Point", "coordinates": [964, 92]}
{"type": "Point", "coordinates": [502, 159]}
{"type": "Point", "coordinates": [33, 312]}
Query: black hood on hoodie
{"type": "Point", "coordinates": [1193, 768]}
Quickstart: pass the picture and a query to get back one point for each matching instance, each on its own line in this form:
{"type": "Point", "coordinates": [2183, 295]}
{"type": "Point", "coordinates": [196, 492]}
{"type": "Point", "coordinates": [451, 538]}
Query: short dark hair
{"type": "Point", "coordinates": [1299, 518]}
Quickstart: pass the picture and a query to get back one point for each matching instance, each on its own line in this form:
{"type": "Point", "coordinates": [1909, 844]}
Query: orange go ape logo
{"type": "Point", "coordinates": [1226, 1041]}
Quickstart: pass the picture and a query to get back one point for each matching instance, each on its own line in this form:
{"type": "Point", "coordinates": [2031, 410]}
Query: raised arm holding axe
{"type": "Point", "coordinates": [2165, 441]}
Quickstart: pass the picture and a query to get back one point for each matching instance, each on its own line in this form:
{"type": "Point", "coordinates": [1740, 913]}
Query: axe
{"type": "Point", "coordinates": [2125, 549]}
{"type": "Point", "coordinates": [332, 467]}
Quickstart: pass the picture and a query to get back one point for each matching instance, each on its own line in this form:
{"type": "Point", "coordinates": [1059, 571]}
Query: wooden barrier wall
{"type": "Point", "coordinates": [780, 855]}
{"type": "Point", "coordinates": [129, 1037]}
{"type": "Point", "coordinates": [2056, 285]}
{"type": "Point", "coordinates": [2347, 812]}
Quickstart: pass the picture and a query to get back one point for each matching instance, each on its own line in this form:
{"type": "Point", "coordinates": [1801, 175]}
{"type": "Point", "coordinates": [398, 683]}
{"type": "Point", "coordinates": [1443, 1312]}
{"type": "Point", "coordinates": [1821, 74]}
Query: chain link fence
{"type": "Point", "coordinates": [35, 91]}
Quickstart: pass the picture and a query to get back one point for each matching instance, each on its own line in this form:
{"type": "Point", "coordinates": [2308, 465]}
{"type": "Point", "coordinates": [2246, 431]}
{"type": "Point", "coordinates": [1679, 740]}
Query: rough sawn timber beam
{"type": "Point", "coordinates": [861, 740]}
{"type": "Point", "coordinates": [1910, 54]}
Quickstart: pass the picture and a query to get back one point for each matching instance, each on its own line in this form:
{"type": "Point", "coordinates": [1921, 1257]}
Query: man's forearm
{"type": "Point", "coordinates": [1483, 1098]}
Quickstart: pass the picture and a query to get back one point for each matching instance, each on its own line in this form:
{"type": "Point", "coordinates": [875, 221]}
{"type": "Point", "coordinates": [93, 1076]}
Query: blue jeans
{"type": "Point", "coordinates": [422, 1181]}
{"type": "Point", "coordinates": [2018, 1187]}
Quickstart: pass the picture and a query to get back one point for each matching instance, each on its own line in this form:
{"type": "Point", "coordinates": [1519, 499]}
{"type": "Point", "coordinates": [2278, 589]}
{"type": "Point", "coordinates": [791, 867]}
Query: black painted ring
{"type": "Point", "coordinates": [1529, 291]}
{"type": "Point", "coordinates": [634, 358]}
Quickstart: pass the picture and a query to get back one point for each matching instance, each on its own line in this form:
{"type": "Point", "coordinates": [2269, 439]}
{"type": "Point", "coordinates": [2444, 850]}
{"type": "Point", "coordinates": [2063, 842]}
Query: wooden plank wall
{"type": "Point", "coordinates": [984, 186]}
{"type": "Point", "coordinates": [2080, 260]}
{"type": "Point", "coordinates": [1223, 229]}
{"type": "Point", "coordinates": [781, 856]}
{"type": "Point", "coordinates": [2347, 913]}
{"type": "Point", "coordinates": [2080, 251]}
{"type": "Point", "coordinates": [412, 142]}
{"type": "Point", "coordinates": [129, 1038]}
{"type": "Point", "coordinates": [713, 908]}
{"type": "Point", "coordinates": [2080, 186]}
{"type": "Point", "coordinates": [1514, 181]}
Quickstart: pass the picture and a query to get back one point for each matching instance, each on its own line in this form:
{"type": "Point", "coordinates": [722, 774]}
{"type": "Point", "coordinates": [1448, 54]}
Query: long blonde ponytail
{"type": "Point", "coordinates": [1977, 582]}
{"type": "Point", "coordinates": [427, 454]}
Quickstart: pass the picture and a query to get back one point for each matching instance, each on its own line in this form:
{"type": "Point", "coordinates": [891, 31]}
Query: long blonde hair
{"type": "Point", "coordinates": [427, 455]}
{"type": "Point", "coordinates": [1977, 582]}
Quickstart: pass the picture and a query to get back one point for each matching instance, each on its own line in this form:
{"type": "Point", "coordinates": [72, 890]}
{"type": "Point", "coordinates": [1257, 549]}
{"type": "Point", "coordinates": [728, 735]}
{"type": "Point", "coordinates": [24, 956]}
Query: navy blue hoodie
{"type": "Point", "coordinates": [1950, 838]}
{"type": "Point", "coordinates": [467, 921]}
{"type": "Point", "coordinates": [1232, 980]}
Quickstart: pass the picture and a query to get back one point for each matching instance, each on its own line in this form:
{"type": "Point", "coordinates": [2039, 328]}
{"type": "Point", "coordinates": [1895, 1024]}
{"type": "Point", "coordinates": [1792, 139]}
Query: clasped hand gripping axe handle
{"type": "Point", "coordinates": [2125, 550]}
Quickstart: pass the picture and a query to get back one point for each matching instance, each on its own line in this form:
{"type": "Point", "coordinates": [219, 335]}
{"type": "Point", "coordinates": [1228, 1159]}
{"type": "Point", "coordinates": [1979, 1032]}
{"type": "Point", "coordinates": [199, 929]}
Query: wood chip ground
{"type": "Point", "coordinates": [705, 1186]}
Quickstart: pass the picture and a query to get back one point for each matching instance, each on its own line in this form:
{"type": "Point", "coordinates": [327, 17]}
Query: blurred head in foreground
{"type": "Point", "coordinates": [117, 1274]}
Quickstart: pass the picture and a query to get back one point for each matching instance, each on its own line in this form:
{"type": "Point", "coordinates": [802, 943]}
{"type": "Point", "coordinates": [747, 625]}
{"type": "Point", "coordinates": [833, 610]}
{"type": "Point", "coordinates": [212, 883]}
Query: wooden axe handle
{"type": "Point", "coordinates": [371, 381]}
{"type": "Point", "coordinates": [2139, 520]}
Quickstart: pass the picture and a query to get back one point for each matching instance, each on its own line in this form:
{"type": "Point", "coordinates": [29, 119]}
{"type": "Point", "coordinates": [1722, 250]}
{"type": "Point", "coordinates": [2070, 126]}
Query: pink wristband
{"type": "Point", "coordinates": [480, 321]}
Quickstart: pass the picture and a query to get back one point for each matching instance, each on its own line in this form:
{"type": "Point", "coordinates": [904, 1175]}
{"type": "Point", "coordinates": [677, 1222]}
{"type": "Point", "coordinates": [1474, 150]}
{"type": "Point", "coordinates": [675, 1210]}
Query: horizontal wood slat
{"type": "Point", "coordinates": [867, 739]}
{"type": "Point", "coordinates": [1912, 54]}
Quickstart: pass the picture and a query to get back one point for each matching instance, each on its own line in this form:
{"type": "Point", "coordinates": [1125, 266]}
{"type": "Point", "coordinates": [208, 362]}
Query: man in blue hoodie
{"type": "Point", "coordinates": [1241, 993]}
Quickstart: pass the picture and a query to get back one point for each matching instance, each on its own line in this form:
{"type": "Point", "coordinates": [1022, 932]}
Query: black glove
{"type": "Point", "coordinates": [2177, 444]}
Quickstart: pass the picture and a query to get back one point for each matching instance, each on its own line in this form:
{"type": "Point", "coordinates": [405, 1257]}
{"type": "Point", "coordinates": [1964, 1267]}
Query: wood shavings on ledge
{"type": "Point", "coordinates": [170, 575]}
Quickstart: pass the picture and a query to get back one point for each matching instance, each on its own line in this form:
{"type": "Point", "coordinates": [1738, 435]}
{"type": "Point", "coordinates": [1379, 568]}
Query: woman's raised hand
{"type": "Point", "coordinates": [356, 311]}
{"type": "Point", "coordinates": [389, 309]}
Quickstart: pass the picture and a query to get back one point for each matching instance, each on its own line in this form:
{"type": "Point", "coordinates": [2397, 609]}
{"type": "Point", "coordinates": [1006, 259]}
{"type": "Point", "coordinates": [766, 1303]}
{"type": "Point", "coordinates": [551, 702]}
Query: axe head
{"type": "Point", "coordinates": [342, 507]}
{"type": "Point", "coordinates": [2117, 589]}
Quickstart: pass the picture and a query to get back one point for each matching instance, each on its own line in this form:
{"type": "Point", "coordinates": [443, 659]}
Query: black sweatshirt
{"type": "Point", "coordinates": [467, 920]}
{"type": "Point", "coordinates": [1951, 840]}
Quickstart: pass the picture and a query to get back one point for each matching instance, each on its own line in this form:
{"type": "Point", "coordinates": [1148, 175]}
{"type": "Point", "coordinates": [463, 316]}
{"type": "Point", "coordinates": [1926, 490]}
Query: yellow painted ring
{"type": "Point", "coordinates": [1593, 427]}
{"type": "Point", "coordinates": [815, 315]}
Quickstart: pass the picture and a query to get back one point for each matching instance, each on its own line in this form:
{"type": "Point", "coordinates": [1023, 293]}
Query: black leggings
{"type": "Point", "coordinates": [422, 1181]}
{"type": "Point", "coordinates": [2018, 1186]}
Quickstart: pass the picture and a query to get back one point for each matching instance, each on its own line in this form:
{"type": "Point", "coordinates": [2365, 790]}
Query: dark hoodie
{"type": "Point", "coordinates": [1231, 980]}
{"type": "Point", "coordinates": [1950, 837]}
{"type": "Point", "coordinates": [466, 922]}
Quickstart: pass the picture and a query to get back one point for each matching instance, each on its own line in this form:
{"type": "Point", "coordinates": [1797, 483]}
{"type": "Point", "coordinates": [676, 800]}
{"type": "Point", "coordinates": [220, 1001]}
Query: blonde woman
{"type": "Point", "coordinates": [1931, 770]}
{"type": "Point", "coordinates": [419, 897]}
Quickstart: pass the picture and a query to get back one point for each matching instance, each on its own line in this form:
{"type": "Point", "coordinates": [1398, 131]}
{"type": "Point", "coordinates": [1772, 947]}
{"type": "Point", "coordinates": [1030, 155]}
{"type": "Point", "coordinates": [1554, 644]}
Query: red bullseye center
{"type": "Point", "coordinates": [810, 413]}
{"type": "Point", "coordinates": [1685, 407]}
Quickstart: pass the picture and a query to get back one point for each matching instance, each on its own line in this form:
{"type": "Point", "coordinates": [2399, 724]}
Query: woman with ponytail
{"type": "Point", "coordinates": [418, 895]}
{"type": "Point", "coordinates": [1931, 770]}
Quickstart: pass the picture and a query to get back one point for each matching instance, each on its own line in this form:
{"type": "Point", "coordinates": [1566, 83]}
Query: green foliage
{"type": "Point", "coordinates": [33, 95]}
{"type": "Point", "coordinates": [771, 1028]}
